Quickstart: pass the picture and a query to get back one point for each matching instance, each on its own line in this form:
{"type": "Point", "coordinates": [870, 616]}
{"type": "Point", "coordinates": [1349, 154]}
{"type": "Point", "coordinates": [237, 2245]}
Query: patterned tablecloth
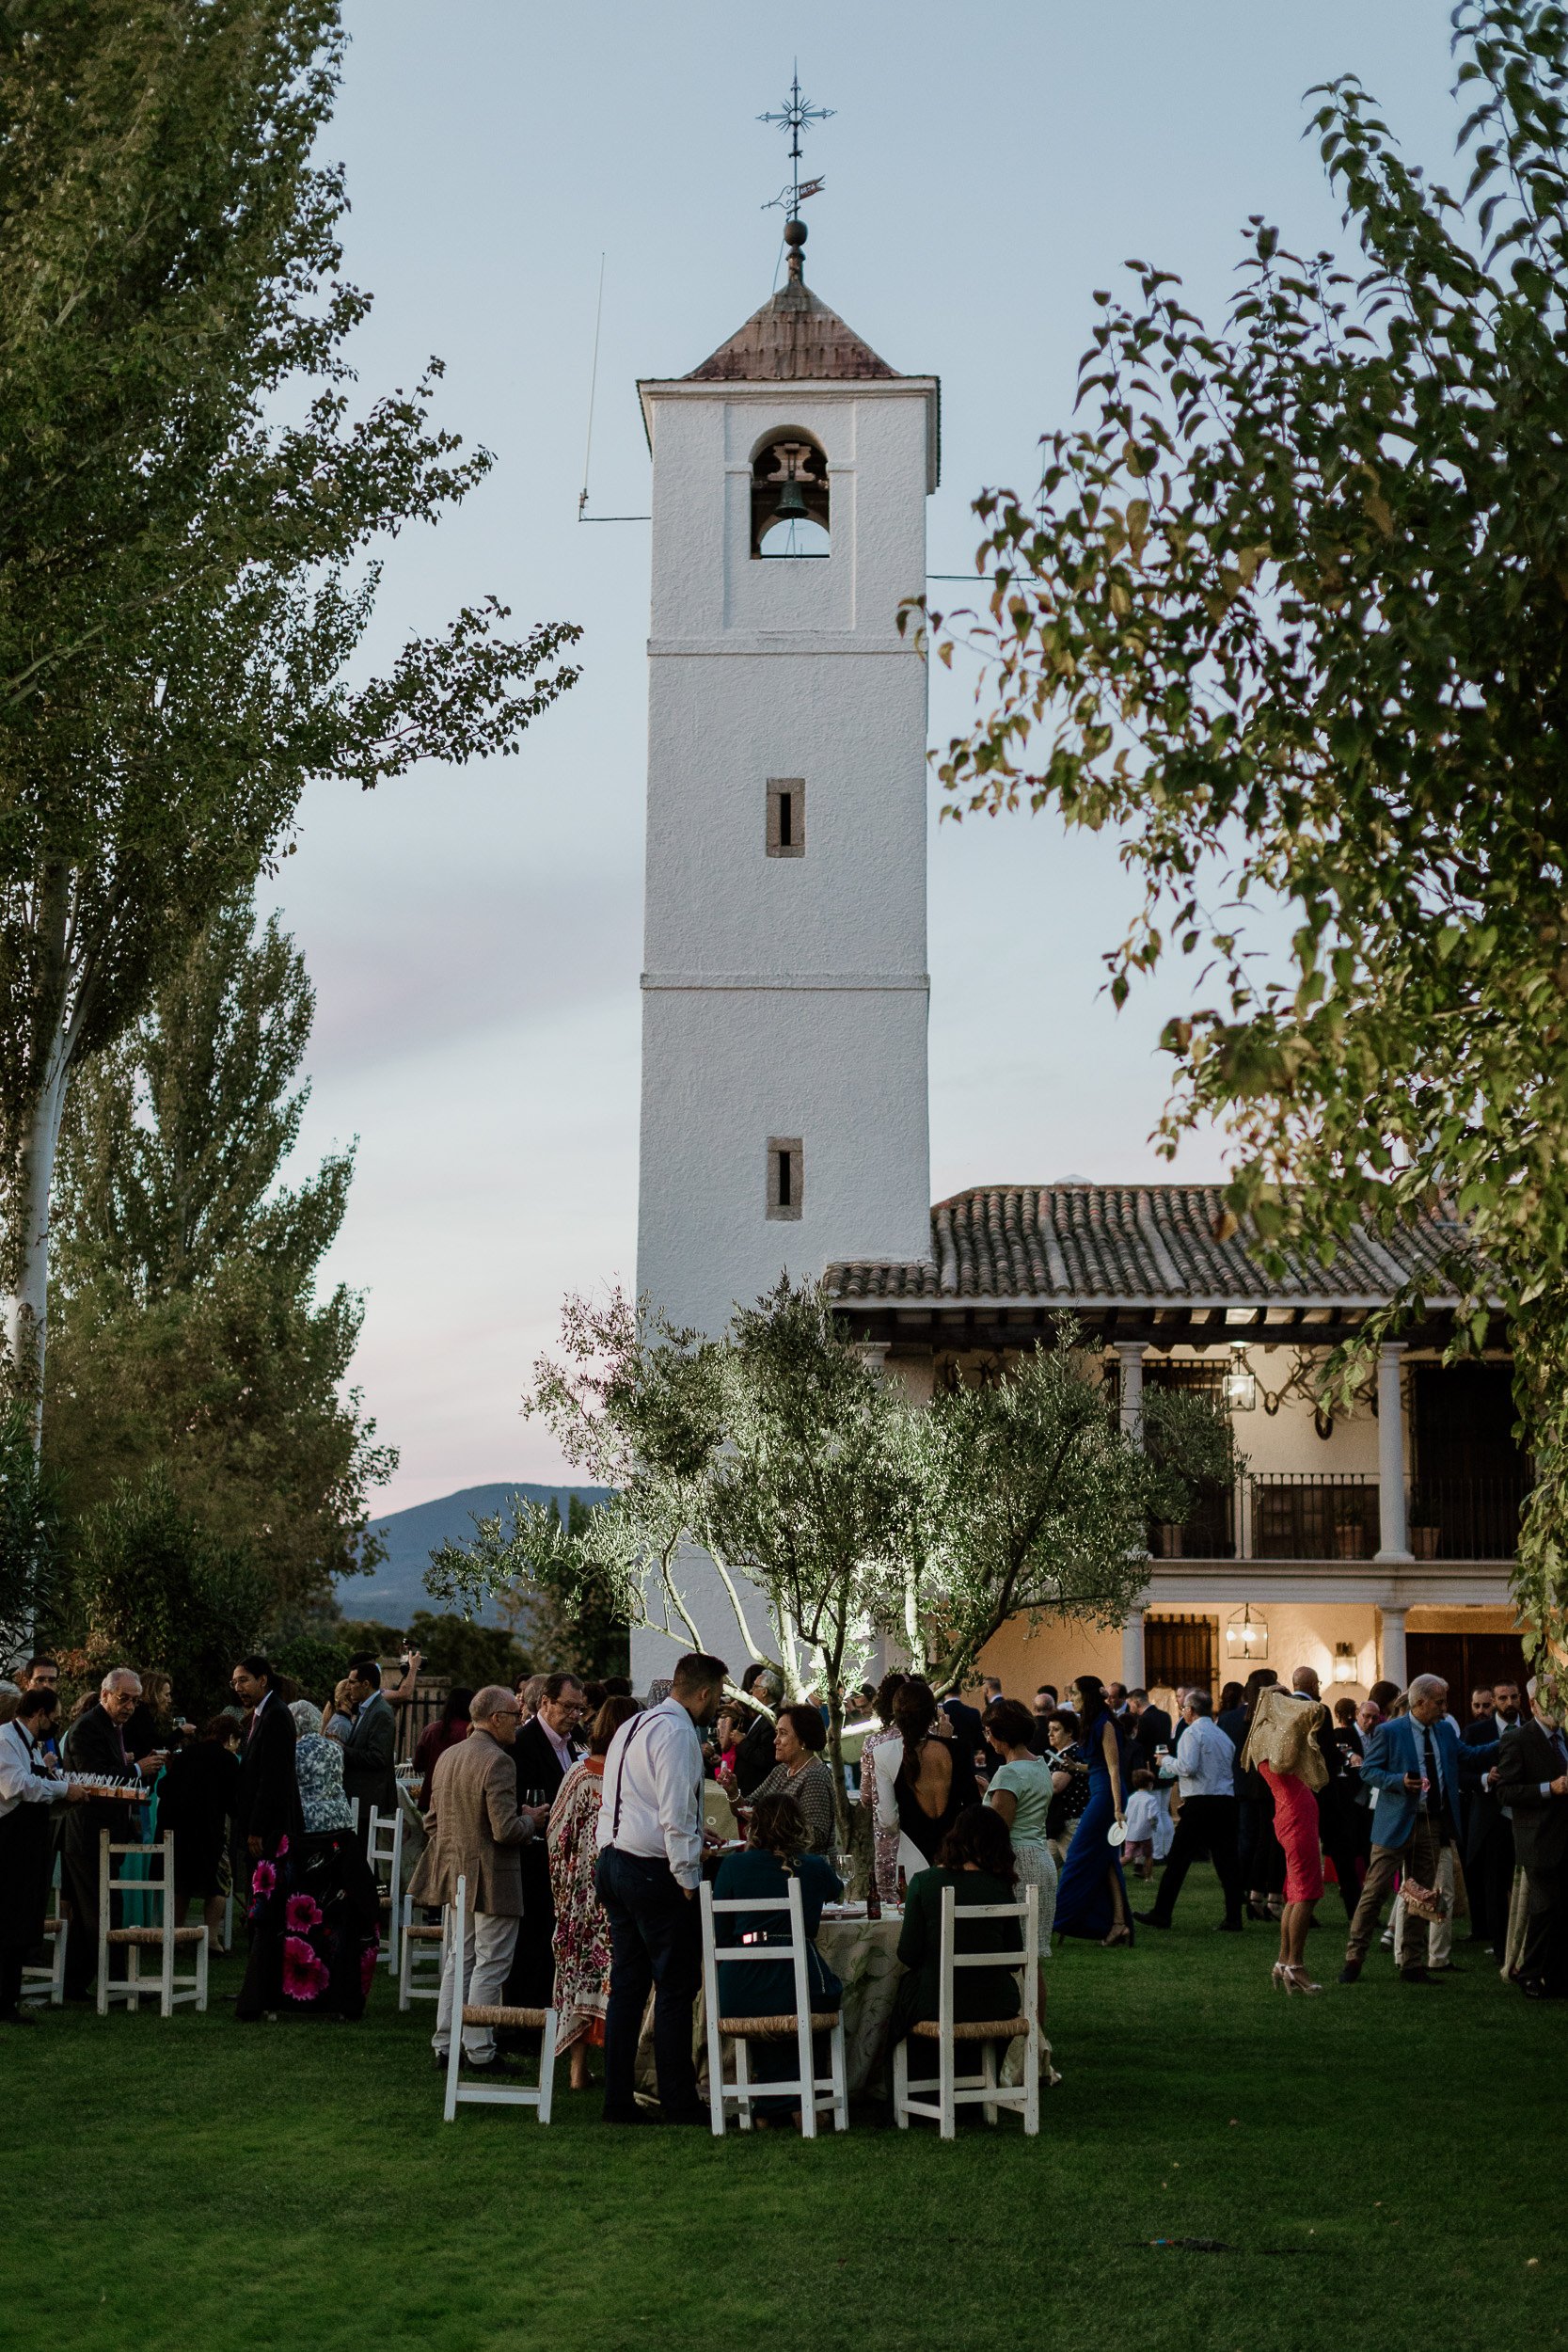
{"type": "Point", "coordinates": [862, 1954]}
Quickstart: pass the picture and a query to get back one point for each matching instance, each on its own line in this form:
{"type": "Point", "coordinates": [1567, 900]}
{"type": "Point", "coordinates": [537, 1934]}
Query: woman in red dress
{"type": "Point", "coordinates": [1283, 1745]}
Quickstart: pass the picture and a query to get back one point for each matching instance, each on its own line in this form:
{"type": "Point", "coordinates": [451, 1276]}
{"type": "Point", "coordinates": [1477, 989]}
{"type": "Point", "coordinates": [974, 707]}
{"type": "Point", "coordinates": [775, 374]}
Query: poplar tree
{"type": "Point", "coordinates": [188, 495]}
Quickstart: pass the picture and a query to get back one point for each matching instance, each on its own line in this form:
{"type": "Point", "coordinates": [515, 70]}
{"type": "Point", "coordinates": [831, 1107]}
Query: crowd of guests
{"type": "Point", "coordinates": [576, 1814]}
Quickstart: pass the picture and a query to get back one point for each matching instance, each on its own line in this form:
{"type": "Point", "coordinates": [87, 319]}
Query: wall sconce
{"type": "Point", "coordinates": [1247, 1636]}
{"type": "Point", "coordinates": [1346, 1664]}
{"type": "Point", "coordinates": [1241, 1385]}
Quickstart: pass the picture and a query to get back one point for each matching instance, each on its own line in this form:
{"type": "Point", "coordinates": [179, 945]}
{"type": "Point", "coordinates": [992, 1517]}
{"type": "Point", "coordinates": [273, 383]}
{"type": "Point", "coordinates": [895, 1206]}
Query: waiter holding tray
{"type": "Point", "coordinates": [30, 1782]}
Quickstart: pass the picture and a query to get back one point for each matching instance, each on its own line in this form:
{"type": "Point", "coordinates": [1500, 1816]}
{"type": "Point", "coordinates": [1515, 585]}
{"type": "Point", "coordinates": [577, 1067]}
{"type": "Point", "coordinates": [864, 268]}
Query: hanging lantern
{"type": "Point", "coordinates": [1247, 1636]}
{"type": "Point", "coordinates": [1346, 1664]}
{"type": "Point", "coordinates": [1241, 1384]}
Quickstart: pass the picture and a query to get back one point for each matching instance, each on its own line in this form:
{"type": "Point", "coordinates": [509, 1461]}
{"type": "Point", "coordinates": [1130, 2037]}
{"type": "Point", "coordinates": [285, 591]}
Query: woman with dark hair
{"type": "Point", "coordinates": [1091, 1899]}
{"type": "Point", "coordinates": [193, 1799]}
{"type": "Point", "coordinates": [1259, 1851]}
{"type": "Point", "coordinates": [436, 1737]}
{"type": "Point", "coordinates": [802, 1772]}
{"type": "Point", "coordinates": [1020, 1792]}
{"type": "Point", "coordinates": [976, 1859]}
{"type": "Point", "coordinates": [1231, 1694]}
{"type": "Point", "coordinates": [884, 1810]}
{"type": "Point", "coordinates": [1070, 1783]}
{"type": "Point", "coordinates": [581, 1940]}
{"type": "Point", "coordinates": [923, 1781]}
{"type": "Point", "coordinates": [776, 1851]}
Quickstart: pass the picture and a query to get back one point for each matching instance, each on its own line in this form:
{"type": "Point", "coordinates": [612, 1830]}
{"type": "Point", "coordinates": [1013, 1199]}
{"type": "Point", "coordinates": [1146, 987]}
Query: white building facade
{"type": "Point", "coordinates": [783, 1110]}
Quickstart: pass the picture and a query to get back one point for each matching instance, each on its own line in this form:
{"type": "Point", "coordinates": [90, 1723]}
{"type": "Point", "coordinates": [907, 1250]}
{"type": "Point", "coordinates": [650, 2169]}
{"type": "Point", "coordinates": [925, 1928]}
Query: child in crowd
{"type": "Point", "coordinates": [1143, 1819]}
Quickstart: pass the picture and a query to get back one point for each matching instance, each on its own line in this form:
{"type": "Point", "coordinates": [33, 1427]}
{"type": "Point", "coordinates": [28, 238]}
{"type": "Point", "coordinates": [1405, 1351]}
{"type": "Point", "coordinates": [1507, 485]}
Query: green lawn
{"type": "Point", "coordinates": [1364, 2154]}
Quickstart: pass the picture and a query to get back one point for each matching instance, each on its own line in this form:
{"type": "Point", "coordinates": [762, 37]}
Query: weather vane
{"type": "Point", "coordinates": [797, 116]}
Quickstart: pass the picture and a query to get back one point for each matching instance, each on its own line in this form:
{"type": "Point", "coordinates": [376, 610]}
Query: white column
{"type": "Point", "coordinates": [1391, 1648]}
{"type": "Point", "coordinates": [1132, 1354]}
{"type": "Point", "coordinates": [1394, 1544]}
{"type": "Point", "coordinates": [1133, 1650]}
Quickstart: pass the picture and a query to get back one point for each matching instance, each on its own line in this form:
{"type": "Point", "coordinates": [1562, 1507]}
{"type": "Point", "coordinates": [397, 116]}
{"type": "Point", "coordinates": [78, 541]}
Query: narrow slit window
{"type": "Point", "coordinates": [787, 816]}
{"type": "Point", "coordinates": [785, 1176]}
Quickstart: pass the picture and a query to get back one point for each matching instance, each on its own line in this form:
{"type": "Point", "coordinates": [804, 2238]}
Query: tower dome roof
{"type": "Point", "coordinates": [794, 339]}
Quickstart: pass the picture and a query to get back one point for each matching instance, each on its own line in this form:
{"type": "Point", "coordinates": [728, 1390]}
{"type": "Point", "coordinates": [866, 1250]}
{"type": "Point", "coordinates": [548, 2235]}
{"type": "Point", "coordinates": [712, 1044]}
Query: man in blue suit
{"type": "Point", "coordinates": [1415, 1762]}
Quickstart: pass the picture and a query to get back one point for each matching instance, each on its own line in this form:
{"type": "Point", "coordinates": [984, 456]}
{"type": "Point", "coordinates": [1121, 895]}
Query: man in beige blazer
{"type": "Point", "coordinates": [474, 1827]}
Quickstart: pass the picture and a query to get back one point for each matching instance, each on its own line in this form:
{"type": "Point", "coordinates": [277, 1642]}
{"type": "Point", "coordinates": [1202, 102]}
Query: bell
{"type": "Point", "coordinates": [792, 506]}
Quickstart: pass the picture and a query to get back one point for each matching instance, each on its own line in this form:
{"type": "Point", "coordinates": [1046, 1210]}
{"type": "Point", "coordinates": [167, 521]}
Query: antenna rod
{"type": "Point", "coordinates": [592, 387]}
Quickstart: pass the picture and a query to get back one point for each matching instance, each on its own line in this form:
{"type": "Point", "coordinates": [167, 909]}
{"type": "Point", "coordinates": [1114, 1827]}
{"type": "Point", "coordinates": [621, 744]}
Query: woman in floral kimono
{"type": "Point", "coordinates": [581, 1930]}
{"type": "Point", "coordinates": [314, 1913]}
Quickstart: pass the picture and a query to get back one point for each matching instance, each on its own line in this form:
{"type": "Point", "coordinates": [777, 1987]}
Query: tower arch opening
{"type": "Point", "coordinates": [790, 497]}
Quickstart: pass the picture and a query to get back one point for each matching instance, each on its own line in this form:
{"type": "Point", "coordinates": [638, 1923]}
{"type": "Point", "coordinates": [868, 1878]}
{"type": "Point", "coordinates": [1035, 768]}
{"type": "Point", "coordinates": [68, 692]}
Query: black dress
{"type": "Point", "coordinates": [195, 1797]}
{"type": "Point", "coordinates": [917, 1824]}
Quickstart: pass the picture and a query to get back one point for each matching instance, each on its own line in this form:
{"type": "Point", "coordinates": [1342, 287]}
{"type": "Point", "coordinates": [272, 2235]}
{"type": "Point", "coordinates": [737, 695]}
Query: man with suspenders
{"type": "Point", "coordinates": [648, 1873]}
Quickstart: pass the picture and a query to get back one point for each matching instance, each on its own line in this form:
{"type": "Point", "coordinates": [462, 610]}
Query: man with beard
{"type": "Point", "coordinates": [1489, 1854]}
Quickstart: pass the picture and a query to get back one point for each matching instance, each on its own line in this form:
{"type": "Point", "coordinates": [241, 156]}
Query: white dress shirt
{"type": "Point", "coordinates": [25, 1774]}
{"type": "Point", "coordinates": [653, 1780]}
{"type": "Point", "coordinates": [1206, 1761]}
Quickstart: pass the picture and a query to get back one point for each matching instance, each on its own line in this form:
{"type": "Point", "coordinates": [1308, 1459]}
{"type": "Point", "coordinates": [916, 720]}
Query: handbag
{"type": "Point", "coordinates": [1424, 1902]}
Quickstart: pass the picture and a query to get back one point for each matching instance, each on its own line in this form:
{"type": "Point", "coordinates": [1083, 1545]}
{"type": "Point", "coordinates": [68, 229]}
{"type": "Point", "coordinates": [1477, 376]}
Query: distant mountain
{"type": "Point", "coordinates": [397, 1587]}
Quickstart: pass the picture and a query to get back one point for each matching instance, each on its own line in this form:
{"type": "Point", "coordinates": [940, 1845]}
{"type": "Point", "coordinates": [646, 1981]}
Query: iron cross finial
{"type": "Point", "coordinates": [798, 115]}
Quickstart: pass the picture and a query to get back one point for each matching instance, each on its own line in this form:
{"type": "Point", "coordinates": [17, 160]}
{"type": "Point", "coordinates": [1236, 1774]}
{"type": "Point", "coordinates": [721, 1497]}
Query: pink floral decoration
{"type": "Point", "coordinates": [263, 1879]}
{"type": "Point", "coordinates": [367, 1959]}
{"type": "Point", "coordinates": [301, 1912]}
{"type": "Point", "coordinates": [282, 1848]}
{"type": "Point", "coordinates": [303, 1975]}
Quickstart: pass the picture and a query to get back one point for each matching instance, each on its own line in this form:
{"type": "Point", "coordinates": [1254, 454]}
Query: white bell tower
{"type": "Point", "coordinates": [785, 989]}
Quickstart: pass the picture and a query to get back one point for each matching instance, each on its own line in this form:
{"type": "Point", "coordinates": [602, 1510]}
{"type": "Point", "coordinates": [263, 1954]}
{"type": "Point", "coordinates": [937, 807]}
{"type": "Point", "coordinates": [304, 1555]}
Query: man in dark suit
{"type": "Point", "coordinates": [544, 1751]}
{"type": "Point", "coordinates": [1532, 1779]}
{"type": "Point", "coordinates": [94, 1744]}
{"type": "Point", "coordinates": [1150, 1730]}
{"type": "Point", "coordinates": [1489, 1854]}
{"type": "Point", "coordinates": [370, 1750]}
{"type": "Point", "coordinates": [266, 1796]}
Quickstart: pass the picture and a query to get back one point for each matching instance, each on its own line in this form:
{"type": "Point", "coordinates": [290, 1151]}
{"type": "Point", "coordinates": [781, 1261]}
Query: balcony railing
{"type": "Point", "coordinates": [1312, 1515]}
{"type": "Point", "coordinates": [1318, 1515]}
{"type": "Point", "coordinates": [1466, 1518]}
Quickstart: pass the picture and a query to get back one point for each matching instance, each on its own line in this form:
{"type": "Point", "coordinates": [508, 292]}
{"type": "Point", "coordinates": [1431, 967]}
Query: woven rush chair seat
{"type": "Point", "coordinates": [776, 2028]}
{"type": "Point", "coordinates": [977, 2029]}
{"type": "Point", "coordinates": [423, 1934]}
{"type": "Point", "coordinates": [155, 1935]}
{"type": "Point", "coordinates": [497, 2013]}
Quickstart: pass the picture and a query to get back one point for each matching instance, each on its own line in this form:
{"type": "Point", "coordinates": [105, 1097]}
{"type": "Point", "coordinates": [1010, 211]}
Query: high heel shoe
{"type": "Point", "coordinates": [1297, 1981]}
{"type": "Point", "coordinates": [1280, 1976]}
{"type": "Point", "coordinates": [1117, 1937]}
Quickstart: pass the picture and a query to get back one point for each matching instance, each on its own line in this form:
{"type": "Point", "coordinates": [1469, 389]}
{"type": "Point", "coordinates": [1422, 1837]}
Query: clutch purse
{"type": "Point", "coordinates": [1424, 1902]}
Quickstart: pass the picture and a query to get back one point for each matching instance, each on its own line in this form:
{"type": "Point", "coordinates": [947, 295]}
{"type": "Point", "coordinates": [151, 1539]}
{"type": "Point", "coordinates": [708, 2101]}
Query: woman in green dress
{"type": "Point", "coordinates": [976, 1862]}
{"type": "Point", "coordinates": [776, 1851]}
{"type": "Point", "coordinates": [1021, 1790]}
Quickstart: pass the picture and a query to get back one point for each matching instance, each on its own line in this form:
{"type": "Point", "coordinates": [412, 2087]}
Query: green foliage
{"type": "Point", "coordinates": [188, 503]}
{"type": "Point", "coordinates": [155, 1589]}
{"type": "Point", "coordinates": [1289, 612]}
{"type": "Point", "coordinates": [455, 1651]}
{"type": "Point", "coordinates": [1036, 1502]}
{"type": "Point", "coordinates": [32, 1552]}
{"type": "Point", "coordinates": [187, 1325]}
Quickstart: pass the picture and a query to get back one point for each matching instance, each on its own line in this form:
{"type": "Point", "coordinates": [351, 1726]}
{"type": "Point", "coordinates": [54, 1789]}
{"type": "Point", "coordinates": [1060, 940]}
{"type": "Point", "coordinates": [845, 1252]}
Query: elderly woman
{"type": "Point", "coordinates": [337, 1716]}
{"type": "Point", "coordinates": [776, 1851]}
{"type": "Point", "coordinates": [802, 1772]}
{"type": "Point", "coordinates": [320, 1907]}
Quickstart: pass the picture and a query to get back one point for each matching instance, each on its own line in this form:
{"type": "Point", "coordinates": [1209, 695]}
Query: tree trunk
{"type": "Point", "coordinates": [26, 1304]}
{"type": "Point", "coordinates": [835, 1750]}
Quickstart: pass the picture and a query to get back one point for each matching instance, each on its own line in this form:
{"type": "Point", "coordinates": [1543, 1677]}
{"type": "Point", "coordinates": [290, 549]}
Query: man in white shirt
{"type": "Point", "coordinates": [649, 1869]}
{"type": "Point", "coordinates": [1205, 1769]}
{"type": "Point", "coordinates": [29, 1784]}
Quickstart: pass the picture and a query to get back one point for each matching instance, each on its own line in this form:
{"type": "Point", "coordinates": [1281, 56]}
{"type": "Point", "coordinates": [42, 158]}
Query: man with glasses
{"type": "Point", "coordinates": [475, 1828]}
{"type": "Point", "coordinates": [547, 1747]}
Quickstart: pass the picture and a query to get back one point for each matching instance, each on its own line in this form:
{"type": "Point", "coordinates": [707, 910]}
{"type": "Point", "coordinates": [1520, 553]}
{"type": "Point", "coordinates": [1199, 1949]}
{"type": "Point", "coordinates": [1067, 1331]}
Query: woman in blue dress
{"type": "Point", "coordinates": [1091, 1899]}
{"type": "Point", "coordinates": [774, 1854]}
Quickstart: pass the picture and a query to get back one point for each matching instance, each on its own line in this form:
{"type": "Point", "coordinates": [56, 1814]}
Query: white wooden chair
{"type": "Point", "coordinates": [543, 2021]}
{"type": "Point", "coordinates": [798, 2025]}
{"type": "Point", "coordinates": [384, 1852]}
{"type": "Point", "coordinates": [45, 1982]}
{"type": "Point", "coordinates": [418, 1945]}
{"type": "Point", "coordinates": [134, 1988]}
{"type": "Point", "coordinates": [947, 2033]}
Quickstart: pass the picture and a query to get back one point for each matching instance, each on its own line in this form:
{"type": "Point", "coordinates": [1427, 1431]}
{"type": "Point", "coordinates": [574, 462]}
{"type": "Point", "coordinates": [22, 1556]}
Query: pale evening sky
{"type": "Point", "coordinates": [475, 936]}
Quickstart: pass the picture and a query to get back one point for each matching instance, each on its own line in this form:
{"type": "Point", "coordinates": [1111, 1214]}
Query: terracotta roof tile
{"type": "Point", "coordinates": [1062, 1244]}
